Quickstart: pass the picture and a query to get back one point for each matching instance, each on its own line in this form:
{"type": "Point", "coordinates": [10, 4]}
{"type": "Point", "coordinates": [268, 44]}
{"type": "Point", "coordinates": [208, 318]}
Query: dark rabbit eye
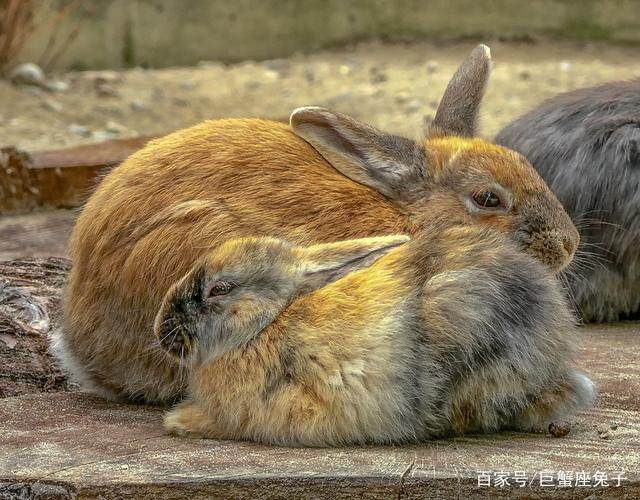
{"type": "Point", "coordinates": [220, 288]}
{"type": "Point", "coordinates": [487, 199]}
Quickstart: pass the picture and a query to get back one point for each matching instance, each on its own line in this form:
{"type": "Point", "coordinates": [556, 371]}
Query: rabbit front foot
{"type": "Point", "coordinates": [186, 420]}
{"type": "Point", "coordinates": [573, 393]}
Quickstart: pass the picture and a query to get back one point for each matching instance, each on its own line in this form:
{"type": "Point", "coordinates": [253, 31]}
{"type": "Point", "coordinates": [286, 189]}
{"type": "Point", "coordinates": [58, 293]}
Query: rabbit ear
{"type": "Point", "coordinates": [389, 164]}
{"type": "Point", "coordinates": [458, 110]}
{"type": "Point", "coordinates": [326, 263]}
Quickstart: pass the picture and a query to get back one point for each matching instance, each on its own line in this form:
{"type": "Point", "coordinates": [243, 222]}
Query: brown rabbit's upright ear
{"type": "Point", "coordinates": [392, 165]}
{"type": "Point", "coordinates": [458, 110]}
{"type": "Point", "coordinates": [326, 263]}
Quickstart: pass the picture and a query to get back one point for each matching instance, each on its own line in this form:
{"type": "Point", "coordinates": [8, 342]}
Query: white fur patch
{"type": "Point", "coordinates": [70, 364]}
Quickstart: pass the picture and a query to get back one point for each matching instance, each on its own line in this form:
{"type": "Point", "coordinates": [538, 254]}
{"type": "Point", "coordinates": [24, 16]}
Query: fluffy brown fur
{"type": "Point", "coordinates": [454, 332]}
{"type": "Point", "coordinates": [325, 178]}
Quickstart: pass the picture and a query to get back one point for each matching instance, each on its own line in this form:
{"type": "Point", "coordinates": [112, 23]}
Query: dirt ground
{"type": "Point", "coordinates": [393, 86]}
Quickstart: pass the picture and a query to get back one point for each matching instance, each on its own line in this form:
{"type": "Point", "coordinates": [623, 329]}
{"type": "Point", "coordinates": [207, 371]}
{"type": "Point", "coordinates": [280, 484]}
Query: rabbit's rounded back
{"type": "Point", "coordinates": [154, 215]}
{"type": "Point", "coordinates": [586, 145]}
{"type": "Point", "coordinates": [456, 331]}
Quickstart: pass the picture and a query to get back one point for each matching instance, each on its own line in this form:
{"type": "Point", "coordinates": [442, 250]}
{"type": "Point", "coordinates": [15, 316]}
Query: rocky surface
{"type": "Point", "coordinates": [393, 86]}
{"type": "Point", "coordinates": [76, 444]}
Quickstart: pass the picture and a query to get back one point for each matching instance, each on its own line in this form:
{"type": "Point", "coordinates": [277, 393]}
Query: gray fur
{"type": "Point", "coordinates": [586, 145]}
{"type": "Point", "coordinates": [390, 164]}
{"type": "Point", "coordinates": [483, 330]}
{"type": "Point", "coordinates": [458, 110]}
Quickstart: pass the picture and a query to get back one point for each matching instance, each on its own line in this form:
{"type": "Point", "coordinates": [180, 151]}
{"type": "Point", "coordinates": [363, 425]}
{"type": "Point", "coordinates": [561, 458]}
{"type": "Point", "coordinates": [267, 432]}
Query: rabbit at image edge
{"type": "Point", "coordinates": [586, 145]}
{"type": "Point", "coordinates": [454, 332]}
{"type": "Point", "coordinates": [325, 178]}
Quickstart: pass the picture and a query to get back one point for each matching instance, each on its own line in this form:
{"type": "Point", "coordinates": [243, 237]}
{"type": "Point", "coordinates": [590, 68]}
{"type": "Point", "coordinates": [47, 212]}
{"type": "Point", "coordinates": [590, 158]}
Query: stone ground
{"type": "Point", "coordinates": [394, 86]}
{"type": "Point", "coordinates": [68, 444]}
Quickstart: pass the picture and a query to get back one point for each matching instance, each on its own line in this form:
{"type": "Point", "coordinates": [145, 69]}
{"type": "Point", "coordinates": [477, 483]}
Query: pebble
{"type": "Point", "coordinates": [137, 105]}
{"type": "Point", "coordinates": [102, 135]}
{"type": "Point", "coordinates": [180, 101]}
{"type": "Point", "coordinates": [279, 65]}
{"type": "Point", "coordinates": [604, 431]}
{"type": "Point", "coordinates": [559, 428]}
{"type": "Point", "coordinates": [432, 67]}
{"type": "Point", "coordinates": [187, 86]}
{"type": "Point", "coordinates": [252, 85]}
{"type": "Point", "coordinates": [402, 97]}
{"type": "Point", "coordinates": [271, 76]}
{"type": "Point", "coordinates": [99, 77]}
{"type": "Point", "coordinates": [414, 106]}
{"type": "Point", "coordinates": [565, 66]}
{"type": "Point", "coordinates": [115, 127]}
{"type": "Point", "coordinates": [52, 105]}
{"type": "Point", "coordinates": [378, 76]}
{"type": "Point", "coordinates": [524, 74]}
{"type": "Point", "coordinates": [27, 74]}
{"type": "Point", "coordinates": [104, 90]}
{"type": "Point", "coordinates": [80, 130]}
{"type": "Point", "coordinates": [309, 75]}
{"type": "Point", "coordinates": [56, 86]}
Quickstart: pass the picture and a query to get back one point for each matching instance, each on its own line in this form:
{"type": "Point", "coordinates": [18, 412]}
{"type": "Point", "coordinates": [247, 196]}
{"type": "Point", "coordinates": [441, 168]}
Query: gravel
{"type": "Point", "coordinates": [395, 87]}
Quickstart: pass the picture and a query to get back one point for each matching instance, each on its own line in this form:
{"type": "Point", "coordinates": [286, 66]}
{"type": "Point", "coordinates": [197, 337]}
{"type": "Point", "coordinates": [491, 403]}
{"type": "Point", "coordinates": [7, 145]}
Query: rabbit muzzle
{"type": "Point", "coordinates": [176, 339]}
{"type": "Point", "coordinates": [552, 247]}
{"type": "Point", "coordinates": [175, 328]}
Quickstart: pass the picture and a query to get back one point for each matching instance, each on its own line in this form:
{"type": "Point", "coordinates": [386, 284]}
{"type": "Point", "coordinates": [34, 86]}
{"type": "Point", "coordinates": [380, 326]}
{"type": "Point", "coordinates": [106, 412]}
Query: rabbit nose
{"type": "Point", "coordinates": [569, 246]}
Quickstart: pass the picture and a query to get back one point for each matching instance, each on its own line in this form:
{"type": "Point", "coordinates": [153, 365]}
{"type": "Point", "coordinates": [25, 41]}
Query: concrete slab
{"type": "Point", "coordinates": [78, 445]}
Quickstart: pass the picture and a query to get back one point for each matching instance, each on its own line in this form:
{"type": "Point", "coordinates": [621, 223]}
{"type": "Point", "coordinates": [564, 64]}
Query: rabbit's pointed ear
{"type": "Point", "coordinates": [458, 110]}
{"type": "Point", "coordinates": [392, 165]}
{"type": "Point", "coordinates": [326, 263]}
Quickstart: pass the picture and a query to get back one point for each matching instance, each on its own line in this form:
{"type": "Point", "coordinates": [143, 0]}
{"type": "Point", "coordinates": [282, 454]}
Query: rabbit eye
{"type": "Point", "coordinates": [487, 199]}
{"type": "Point", "coordinates": [220, 288]}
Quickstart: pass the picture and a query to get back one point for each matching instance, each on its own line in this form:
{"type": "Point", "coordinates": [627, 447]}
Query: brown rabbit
{"type": "Point", "coordinates": [456, 331]}
{"type": "Point", "coordinates": [325, 178]}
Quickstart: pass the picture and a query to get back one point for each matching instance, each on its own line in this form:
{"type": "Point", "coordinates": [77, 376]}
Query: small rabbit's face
{"type": "Point", "coordinates": [238, 289]}
{"type": "Point", "coordinates": [481, 183]}
{"type": "Point", "coordinates": [227, 298]}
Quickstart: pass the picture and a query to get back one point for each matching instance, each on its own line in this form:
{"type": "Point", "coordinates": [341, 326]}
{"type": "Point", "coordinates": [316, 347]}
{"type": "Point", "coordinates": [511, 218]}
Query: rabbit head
{"type": "Point", "coordinates": [473, 180]}
{"type": "Point", "coordinates": [233, 292]}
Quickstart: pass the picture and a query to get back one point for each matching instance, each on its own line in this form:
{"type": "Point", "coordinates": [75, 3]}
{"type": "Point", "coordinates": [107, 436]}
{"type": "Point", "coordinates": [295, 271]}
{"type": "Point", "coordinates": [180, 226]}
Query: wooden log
{"type": "Point", "coordinates": [58, 178]}
{"type": "Point", "coordinates": [30, 294]}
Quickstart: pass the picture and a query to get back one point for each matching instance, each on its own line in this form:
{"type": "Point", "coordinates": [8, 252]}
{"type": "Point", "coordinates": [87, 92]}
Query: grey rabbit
{"type": "Point", "coordinates": [586, 145]}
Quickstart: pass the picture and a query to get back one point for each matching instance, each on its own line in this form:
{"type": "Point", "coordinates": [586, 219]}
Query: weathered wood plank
{"type": "Point", "coordinates": [92, 447]}
{"type": "Point", "coordinates": [101, 154]}
{"type": "Point", "coordinates": [30, 293]}
{"type": "Point", "coordinates": [57, 178]}
{"type": "Point", "coordinates": [39, 234]}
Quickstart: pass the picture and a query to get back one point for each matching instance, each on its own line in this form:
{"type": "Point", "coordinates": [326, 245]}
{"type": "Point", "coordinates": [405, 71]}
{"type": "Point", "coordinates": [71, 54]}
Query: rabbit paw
{"type": "Point", "coordinates": [185, 420]}
{"type": "Point", "coordinates": [575, 393]}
